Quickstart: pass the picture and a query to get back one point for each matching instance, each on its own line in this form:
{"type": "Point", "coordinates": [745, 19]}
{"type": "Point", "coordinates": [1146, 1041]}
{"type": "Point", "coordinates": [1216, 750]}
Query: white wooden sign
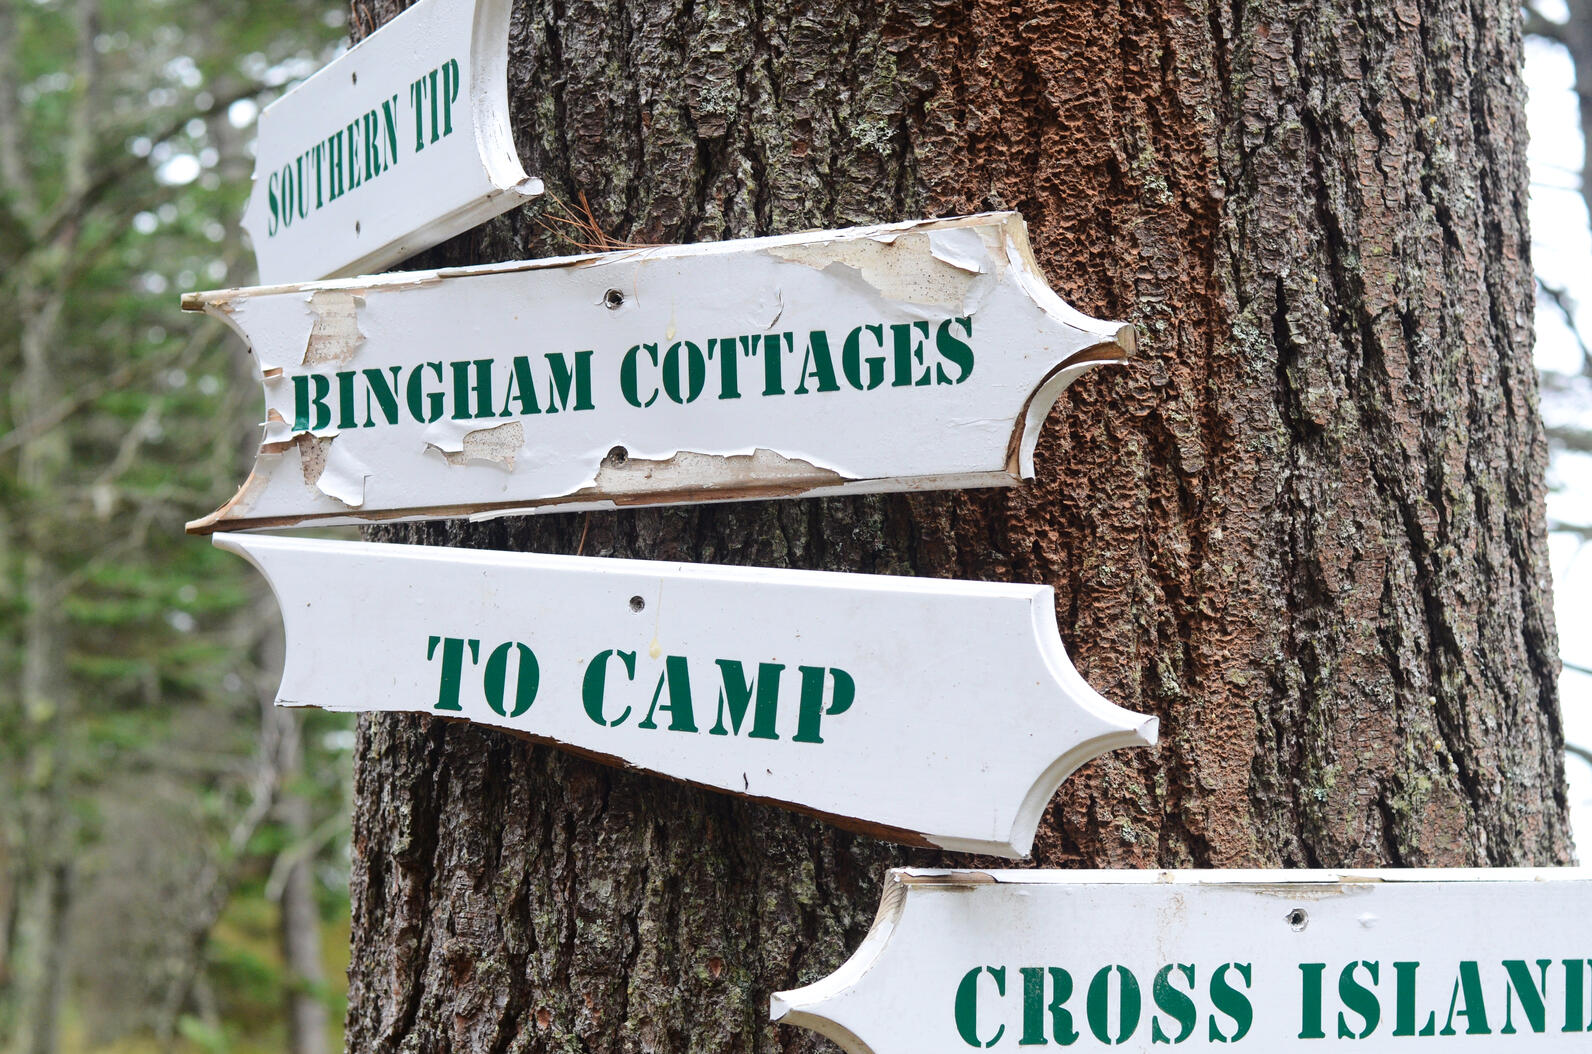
{"type": "Point", "coordinates": [905, 357]}
{"type": "Point", "coordinates": [931, 712]}
{"type": "Point", "coordinates": [1465, 960]}
{"type": "Point", "coordinates": [400, 143]}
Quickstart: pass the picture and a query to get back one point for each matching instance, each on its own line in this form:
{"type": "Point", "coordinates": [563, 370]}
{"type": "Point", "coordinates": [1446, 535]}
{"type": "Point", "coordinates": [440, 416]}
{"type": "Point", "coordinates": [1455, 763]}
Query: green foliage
{"type": "Point", "coordinates": [130, 654]}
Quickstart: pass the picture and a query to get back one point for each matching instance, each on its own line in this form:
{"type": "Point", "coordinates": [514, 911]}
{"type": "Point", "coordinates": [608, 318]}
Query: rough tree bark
{"type": "Point", "coordinates": [1305, 529]}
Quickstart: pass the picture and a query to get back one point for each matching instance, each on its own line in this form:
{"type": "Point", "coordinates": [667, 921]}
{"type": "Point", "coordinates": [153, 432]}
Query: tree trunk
{"type": "Point", "coordinates": [1305, 529]}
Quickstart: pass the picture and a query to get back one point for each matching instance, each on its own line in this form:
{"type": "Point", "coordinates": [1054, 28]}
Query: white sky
{"type": "Point", "coordinates": [1562, 250]}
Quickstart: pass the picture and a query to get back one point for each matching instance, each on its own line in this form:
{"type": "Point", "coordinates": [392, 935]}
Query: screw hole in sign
{"type": "Point", "coordinates": [637, 604]}
{"type": "Point", "coordinates": [614, 299]}
{"type": "Point", "coordinates": [1298, 919]}
{"type": "Point", "coordinates": [618, 455]}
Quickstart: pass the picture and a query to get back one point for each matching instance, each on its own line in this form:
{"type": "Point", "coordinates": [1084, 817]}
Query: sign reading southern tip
{"type": "Point", "coordinates": [1262, 960]}
{"type": "Point", "coordinates": [400, 143]}
{"type": "Point", "coordinates": [931, 712]}
{"type": "Point", "coordinates": [912, 356]}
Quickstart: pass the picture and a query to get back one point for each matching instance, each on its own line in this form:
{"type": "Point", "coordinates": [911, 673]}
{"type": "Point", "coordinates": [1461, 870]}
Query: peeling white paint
{"type": "Point", "coordinates": [910, 357]}
{"type": "Point", "coordinates": [499, 445]}
{"type": "Point", "coordinates": [883, 700]}
{"type": "Point", "coordinates": [961, 248]}
{"type": "Point", "coordinates": [444, 158]}
{"type": "Point", "coordinates": [343, 478]}
{"type": "Point", "coordinates": [1143, 961]}
{"type": "Point", "coordinates": [335, 336]}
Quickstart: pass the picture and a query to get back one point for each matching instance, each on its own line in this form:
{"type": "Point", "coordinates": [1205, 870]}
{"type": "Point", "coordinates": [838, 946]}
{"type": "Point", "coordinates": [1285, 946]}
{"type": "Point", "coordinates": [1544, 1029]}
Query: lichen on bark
{"type": "Point", "coordinates": [1305, 529]}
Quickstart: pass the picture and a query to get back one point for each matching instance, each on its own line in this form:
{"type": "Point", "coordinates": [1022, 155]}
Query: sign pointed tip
{"type": "Point", "coordinates": [1149, 731]}
{"type": "Point", "coordinates": [1127, 339]}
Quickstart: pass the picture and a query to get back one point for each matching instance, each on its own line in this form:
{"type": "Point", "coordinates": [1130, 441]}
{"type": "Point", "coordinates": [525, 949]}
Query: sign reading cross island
{"type": "Point", "coordinates": [400, 143]}
{"type": "Point", "coordinates": [1463, 960]}
{"type": "Point", "coordinates": [904, 357]}
{"type": "Point", "coordinates": [931, 712]}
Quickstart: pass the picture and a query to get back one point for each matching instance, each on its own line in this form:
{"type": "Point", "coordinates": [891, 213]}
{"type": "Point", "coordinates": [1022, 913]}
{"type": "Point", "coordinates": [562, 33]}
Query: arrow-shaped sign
{"type": "Point", "coordinates": [1273, 960]}
{"type": "Point", "coordinates": [905, 357]}
{"type": "Point", "coordinates": [400, 143]}
{"type": "Point", "coordinates": [931, 712]}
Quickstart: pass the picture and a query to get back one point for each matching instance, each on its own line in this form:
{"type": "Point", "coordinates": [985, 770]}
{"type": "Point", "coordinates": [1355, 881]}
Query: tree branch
{"type": "Point", "coordinates": [1562, 300]}
{"type": "Point", "coordinates": [1537, 25]}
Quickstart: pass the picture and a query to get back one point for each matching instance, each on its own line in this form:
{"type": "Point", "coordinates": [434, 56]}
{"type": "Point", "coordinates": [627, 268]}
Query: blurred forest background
{"type": "Point", "coordinates": [173, 849]}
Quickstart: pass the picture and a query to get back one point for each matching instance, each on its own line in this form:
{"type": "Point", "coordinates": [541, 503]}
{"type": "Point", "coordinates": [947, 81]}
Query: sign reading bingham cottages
{"type": "Point", "coordinates": [932, 712]}
{"type": "Point", "coordinates": [1462, 960]}
{"type": "Point", "coordinates": [911, 356]}
{"type": "Point", "coordinates": [400, 143]}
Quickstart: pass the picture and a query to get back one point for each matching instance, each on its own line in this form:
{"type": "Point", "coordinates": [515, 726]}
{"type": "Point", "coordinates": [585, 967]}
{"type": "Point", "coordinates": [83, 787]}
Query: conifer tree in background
{"type": "Point", "coordinates": [1305, 529]}
{"type": "Point", "coordinates": [137, 791]}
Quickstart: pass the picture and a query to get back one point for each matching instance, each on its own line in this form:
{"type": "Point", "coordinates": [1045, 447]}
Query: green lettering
{"type": "Point", "coordinates": [851, 359]}
{"type": "Point", "coordinates": [695, 367]}
{"type": "Point", "coordinates": [818, 364]}
{"type": "Point", "coordinates": [909, 338]}
{"type": "Point", "coordinates": [1169, 1000]}
{"type": "Point", "coordinates": [319, 153]}
{"type": "Point", "coordinates": [372, 142]}
{"type": "Point", "coordinates": [462, 389]}
{"type": "Point", "coordinates": [389, 124]}
{"type": "Point", "coordinates": [729, 379]}
{"type": "Point", "coordinates": [628, 383]}
{"type": "Point", "coordinates": [521, 388]}
{"type": "Point", "coordinates": [563, 378]}
{"type": "Point", "coordinates": [434, 401]}
{"type": "Point", "coordinates": [450, 93]}
{"type": "Point", "coordinates": [1310, 1001]}
{"type": "Point", "coordinates": [773, 384]}
{"type": "Point", "coordinates": [1033, 1006]}
{"type": "Point", "coordinates": [967, 1005]}
{"type": "Point", "coordinates": [678, 678]}
{"type": "Point", "coordinates": [1404, 1002]}
{"type": "Point", "coordinates": [417, 96]}
{"type": "Point", "coordinates": [1531, 996]}
{"type": "Point", "coordinates": [304, 401]}
{"type": "Point", "coordinates": [452, 667]}
{"type": "Point", "coordinates": [1128, 1005]}
{"type": "Point", "coordinates": [352, 142]}
{"type": "Point", "coordinates": [1475, 1008]}
{"type": "Point", "coordinates": [299, 189]}
{"type": "Point", "coordinates": [811, 708]}
{"type": "Point", "coordinates": [527, 679]}
{"type": "Point", "coordinates": [334, 157]}
{"type": "Point", "coordinates": [595, 685]}
{"type": "Point", "coordinates": [1574, 996]}
{"type": "Point", "coordinates": [271, 203]}
{"type": "Point", "coordinates": [1061, 1029]}
{"type": "Point", "coordinates": [1360, 999]}
{"type": "Point", "coordinates": [287, 195]}
{"type": "Point", "coordinates": [386, 395]}
{"type": "Point", "coordinates": [1232, 1002]}
{"type": "Point", "coordinates": [954, 350]}
{"type": "Point", "coordinates": [432, 77]}
{"type": "Point", "coordinates": [736, 696]}
{"type": "Point", "coordinates": [345, 399]}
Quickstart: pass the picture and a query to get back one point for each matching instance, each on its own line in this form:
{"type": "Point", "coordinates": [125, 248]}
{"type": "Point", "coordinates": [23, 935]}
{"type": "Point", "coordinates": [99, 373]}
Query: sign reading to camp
{"type": "Point", "coordinates": [1261, 960]}
{"type": "Point", "coordinates": [936, 713]}
{"type": "Point", "coordinates": [905, 357]}
{"type": "Point", "coordinates": [400, 143]}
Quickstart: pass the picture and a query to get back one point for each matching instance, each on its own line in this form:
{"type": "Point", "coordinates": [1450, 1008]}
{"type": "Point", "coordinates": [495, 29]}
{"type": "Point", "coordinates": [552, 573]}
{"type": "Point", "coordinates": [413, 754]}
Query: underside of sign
{"type": "Point", "coordinates": [934, 713]}
{"type": "Point", "coordinates": [1484, 959]}
{"type": "Point", "coordinates": [402, 142]}
{"type": "Point", "coordinates": [912, 356]}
